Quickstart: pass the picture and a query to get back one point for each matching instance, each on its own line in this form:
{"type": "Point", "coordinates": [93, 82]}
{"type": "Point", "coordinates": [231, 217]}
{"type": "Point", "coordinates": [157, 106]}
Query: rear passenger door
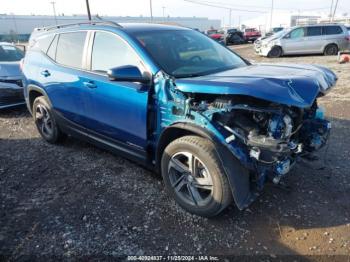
{"type": "Point", "coordinates": [314, 40]}
{"type": "Point", "coordinates": [335, 34]}
{"type": "Point", "coordinates": [62, 78]}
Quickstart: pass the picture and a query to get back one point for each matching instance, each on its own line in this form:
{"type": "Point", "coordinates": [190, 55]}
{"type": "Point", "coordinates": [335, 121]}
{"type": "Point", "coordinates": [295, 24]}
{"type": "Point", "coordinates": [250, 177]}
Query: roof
{"type": "Point", "coordinates": [127, 27]}
{"type": "Point", "coordinates": [133, 27]}
{"type": "Point", "coordinates": [324, 24]}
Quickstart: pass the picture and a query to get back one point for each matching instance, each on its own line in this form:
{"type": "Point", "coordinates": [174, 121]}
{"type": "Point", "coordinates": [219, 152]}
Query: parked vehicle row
{"type": "Point", "coordinates": [11, 79]}
{"type": "Point", "coordinates": [213, 125]}
{"type": "Point", "coordinates": [234, 36]}
{"type": "Point", "coordinates": [325, 39]}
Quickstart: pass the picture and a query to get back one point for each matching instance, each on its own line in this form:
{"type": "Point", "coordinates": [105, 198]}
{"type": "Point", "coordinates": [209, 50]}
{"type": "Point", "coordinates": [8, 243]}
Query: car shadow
{"type": "Point", "coordinates": [51, 194]}
{"type": "Point", "coordinates": [16, 111]}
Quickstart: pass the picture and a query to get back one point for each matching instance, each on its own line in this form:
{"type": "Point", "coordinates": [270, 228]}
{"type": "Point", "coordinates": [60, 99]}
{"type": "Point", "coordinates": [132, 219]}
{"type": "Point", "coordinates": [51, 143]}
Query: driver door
{"type": "Point", "coordinates": [118, 110]}
{"type": "Point", "coordinates": [294, 42]}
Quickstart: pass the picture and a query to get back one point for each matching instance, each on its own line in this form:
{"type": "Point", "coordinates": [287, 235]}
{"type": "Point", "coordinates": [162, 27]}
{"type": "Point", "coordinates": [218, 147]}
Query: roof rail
{"type": "Point", "coordinates": [100, 22]}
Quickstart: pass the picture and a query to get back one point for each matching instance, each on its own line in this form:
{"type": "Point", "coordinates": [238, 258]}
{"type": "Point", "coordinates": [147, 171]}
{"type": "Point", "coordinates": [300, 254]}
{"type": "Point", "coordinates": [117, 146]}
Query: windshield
{"type": "Point", "coordinates": [10, 53]}
{"type": "Point", "coordinates": [278, 34]}
{"type": "Point", "coordinates": [186, 53]}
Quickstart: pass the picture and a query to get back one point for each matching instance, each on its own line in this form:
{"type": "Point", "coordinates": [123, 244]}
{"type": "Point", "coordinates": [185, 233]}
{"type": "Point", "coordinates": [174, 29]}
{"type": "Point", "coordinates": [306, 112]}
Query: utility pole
{"type": "Point", "coordinates": [230, 17]}
{"type": "Point", "coordinates": [335, 9]}
{"type": "Point", "coordinates": [163, 7]}
{"type": "Point", "coordinates": [88, 9]}
{"type": "Point", "coordinates": [330, 12]}
{"type": "Point", "coordinates": [54, 10]}
{"type": "Point", "coordinates": [271, 14]}
{"type": "Point", "coordinates": [151, 10]}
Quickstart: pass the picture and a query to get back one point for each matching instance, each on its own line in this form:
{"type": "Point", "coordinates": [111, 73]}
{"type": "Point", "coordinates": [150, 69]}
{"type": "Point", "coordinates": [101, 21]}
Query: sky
{"type": "Point", "coordinates": [172, 8]}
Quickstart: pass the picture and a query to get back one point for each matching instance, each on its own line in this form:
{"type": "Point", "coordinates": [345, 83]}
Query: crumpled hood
{"type": "Point", "coordinates": [9, 69]}
{"type": "Point", "coordinates": [289, 84]}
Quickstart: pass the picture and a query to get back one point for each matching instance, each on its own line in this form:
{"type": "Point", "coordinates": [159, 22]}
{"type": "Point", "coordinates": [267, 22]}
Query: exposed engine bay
{"type": "Point", "coordinates": [274, 135]}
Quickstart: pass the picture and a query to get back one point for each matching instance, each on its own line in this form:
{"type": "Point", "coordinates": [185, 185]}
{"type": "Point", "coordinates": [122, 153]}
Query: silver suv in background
{"type": "Point", "coordinates": [312, 39]}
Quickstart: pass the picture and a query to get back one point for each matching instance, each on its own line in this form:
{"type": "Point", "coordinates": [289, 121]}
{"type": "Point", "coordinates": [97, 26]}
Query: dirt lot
{"type": "Point", "coordinates": [76, 200]}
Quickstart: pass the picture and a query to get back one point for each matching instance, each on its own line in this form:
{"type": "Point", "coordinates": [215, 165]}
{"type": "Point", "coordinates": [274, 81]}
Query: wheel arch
{"type": "Point", "coordinates": [328, 44]}
{"type": "Point", "coordinates": [34, 92]}
{"type": "Point", "coordinates": [176, 131]}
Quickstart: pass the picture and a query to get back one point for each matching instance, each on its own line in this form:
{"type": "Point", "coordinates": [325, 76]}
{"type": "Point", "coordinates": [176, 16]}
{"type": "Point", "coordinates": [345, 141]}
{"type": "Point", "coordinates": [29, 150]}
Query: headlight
{"type": "Point", "coordinates": [265, 44]}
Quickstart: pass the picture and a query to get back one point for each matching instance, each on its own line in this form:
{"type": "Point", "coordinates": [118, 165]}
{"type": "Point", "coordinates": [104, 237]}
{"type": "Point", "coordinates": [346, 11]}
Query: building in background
{"type": "Point", "coordinates": [324, 20]}
{"type": "Point", "coordinates": [15, 28]}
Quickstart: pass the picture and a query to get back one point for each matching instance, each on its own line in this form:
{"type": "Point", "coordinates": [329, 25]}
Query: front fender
{"type": "Point", "coordinates": [34, 88]}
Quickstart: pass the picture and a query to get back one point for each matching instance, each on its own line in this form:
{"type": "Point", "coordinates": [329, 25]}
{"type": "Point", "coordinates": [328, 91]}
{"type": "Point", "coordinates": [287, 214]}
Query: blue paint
{"type": "Point", "coordinates": [294, 86]}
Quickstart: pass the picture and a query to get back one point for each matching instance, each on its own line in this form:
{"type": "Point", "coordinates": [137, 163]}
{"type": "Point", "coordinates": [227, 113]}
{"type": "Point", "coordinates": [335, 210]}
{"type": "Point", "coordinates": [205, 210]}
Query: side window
{"type": "Point", "coordinates": [110, 51]}
{"type": "Point", "coordinates": [297, 33]}
{"type": "Point", "coordinates": [314, 31]}
{"type": "Point", "coordinates": [42, 43]}
{"type": "Point", "coordinates": [332, 30]}
{"type": "Point", "coordinates": [70, 48]}
{"type": "Point", "coordinates": [52, 49]}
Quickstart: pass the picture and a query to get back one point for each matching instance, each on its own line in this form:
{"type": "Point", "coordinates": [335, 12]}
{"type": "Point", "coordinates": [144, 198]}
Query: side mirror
{"type": "Point", "coordinates": [287, 36]}
{"type": "Point", "coordinates": [128, 73]}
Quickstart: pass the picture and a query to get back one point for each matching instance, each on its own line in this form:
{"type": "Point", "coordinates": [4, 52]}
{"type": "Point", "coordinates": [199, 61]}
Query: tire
{"type": "Point", "coordinates": [331, 49]}
{"type": "Point", "coordinates": [275, 52]}
{"type": "Point", "coordinates": [45, 121]}
{"type": "Point", "coordinates": [205, 191]}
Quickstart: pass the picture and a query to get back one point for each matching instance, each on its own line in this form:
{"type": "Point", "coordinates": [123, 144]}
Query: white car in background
{"type": "Point", "coordinates": [327, 39]}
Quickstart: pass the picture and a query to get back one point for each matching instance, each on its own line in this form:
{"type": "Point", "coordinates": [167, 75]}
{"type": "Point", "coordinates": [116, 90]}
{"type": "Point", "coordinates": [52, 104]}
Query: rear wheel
{"type": "Point", "coordinates": [275, 52]}
{"type": "Point", "coordinates": [331, 49]}
{"type": "Point", "coordinates": [45, 122]}
{"type": "Point", "coordinates": [193, 176]}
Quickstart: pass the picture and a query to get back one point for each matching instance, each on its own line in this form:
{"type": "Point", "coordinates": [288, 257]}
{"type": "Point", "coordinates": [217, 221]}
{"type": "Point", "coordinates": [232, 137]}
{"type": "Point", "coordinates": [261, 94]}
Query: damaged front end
{"type": "Point", "coordinates": [271, 135]}
{"type": "Point", "coordinates": [265, 136]}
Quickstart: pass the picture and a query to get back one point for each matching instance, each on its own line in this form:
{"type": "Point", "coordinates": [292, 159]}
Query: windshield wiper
{"type": "Point", "coordinates": [218, 70]}
{"type": "Point", "coordinates": [189, 75]}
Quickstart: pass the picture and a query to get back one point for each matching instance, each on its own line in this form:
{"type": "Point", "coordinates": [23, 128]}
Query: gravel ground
{"type": "Point", "coordinates": [76, 200]}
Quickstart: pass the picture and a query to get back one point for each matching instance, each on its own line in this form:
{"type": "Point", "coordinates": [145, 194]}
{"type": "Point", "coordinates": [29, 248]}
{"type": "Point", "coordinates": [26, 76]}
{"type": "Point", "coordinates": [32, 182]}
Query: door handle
{"type": "Point", "coordinates": [46, 73]}
{"type": "Point", "coordinates": [89, 84]}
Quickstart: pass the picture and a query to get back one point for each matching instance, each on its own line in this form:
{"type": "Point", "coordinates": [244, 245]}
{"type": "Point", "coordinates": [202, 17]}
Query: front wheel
{"type": "Point", "coordinates": [275, 52]}
{"type": "Point", "coordinates": [194, 177]}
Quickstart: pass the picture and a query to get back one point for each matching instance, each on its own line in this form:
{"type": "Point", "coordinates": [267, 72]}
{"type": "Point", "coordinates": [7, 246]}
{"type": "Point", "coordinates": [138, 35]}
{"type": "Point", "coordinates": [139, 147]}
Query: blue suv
{"type": "Point", "coordinates": [215, 126]}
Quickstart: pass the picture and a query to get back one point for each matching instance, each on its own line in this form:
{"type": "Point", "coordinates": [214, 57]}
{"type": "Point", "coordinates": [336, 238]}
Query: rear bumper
{"type": "Point", "coordinates": [11, 95]}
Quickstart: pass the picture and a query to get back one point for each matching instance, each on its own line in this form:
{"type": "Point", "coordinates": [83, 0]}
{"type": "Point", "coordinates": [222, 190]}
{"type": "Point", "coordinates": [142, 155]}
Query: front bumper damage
{"type": "Point", "coordinates": [11, 92]}
{"type": "Point", "coordinates": [265, 157]}
{"type": "Point", "coordinates": [261, 49]}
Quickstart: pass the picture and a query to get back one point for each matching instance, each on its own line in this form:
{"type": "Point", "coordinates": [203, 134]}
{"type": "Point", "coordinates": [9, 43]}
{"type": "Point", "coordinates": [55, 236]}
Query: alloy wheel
{"type": "Point", "coordinates": [44, 120]}
{"type": "Point", "coordinates": [190, 179]}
